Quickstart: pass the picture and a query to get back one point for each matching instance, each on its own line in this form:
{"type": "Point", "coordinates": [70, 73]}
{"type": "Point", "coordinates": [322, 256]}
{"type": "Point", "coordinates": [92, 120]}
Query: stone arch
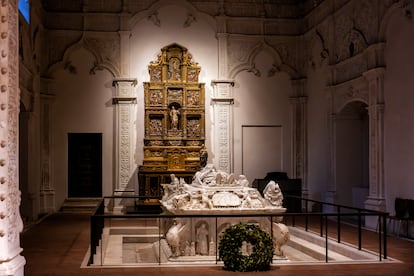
{"type": "Point", "coordinates": [396, 7]}
{"type": "Point", "coordinates": [353, 105]}
{"type": "Point", "coordinates": [277, 63]}
{"type": "Point", "coordinates": [99, 62]}
{"type": "Point", "coordinates": [356, 90]}
{"type": "Point", "coordinates": [351, 99]}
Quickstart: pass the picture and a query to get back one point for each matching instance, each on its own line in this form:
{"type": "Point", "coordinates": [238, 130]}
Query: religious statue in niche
{"type": "Point", "coordinates": [174, 118]}
{"type": "Point", "coordinates": [174, 70]}
{"type": "Point", "coordinates": [202, 240]}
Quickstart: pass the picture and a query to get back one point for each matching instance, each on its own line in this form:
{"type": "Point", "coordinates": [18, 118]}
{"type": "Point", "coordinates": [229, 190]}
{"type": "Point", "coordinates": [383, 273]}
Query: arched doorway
{"type": "Point", "coordinates": [352, 154]}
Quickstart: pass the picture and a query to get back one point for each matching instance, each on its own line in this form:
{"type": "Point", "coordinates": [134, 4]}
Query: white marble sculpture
{"type": "Point", "coordinates": [173, 238]}
{"type": "Point", "coordinates": [280, 237]}
{"type": "Point", "coordinates": [273, 194]}
{"type": "Point", "coordinates": [213, 191]}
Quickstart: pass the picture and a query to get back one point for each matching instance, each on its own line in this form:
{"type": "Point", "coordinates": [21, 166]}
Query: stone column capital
{"type": "Point", "coordinates": [222, 81]}
{"type": "Point", "coordinates": [119, 81]}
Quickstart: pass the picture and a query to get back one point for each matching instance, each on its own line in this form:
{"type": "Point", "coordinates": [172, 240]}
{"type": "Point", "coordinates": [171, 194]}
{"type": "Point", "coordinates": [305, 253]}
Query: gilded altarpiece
{"type": "Point", "coordinates": [174, 120]}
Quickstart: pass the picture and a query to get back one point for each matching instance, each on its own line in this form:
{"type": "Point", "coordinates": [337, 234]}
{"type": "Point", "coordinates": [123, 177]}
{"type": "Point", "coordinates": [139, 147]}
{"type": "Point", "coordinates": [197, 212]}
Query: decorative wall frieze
{"type": "Point", "coordinates": [317, 53]}
{"type": "Point", "coordinates": [54, 52]}
{"type": "Point", "coordinates": [189, 20]}
{"type": "Point", "coordinates": [407, 7]}
{"type": "Point", "coordinates": [105, 47]}
{"type": "Point", "coordinates": [153, 17]}
{"type": "Point", "coordinates": [243, 52]}
{"type": "Point", "coordinates": [355, 66]}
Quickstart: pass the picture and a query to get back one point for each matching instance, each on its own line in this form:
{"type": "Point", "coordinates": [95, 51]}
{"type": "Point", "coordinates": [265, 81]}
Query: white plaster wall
{"type": "Point", "coordinates": [146, 42]}
{"type": "Point", "coordinates": [83, 104]}
{"type": "Point", "coordinates": [399, 110]}
{"type": "Point", "coordinates": [262, 101]}
{"type": "Point", "coordinates": [318, 133]}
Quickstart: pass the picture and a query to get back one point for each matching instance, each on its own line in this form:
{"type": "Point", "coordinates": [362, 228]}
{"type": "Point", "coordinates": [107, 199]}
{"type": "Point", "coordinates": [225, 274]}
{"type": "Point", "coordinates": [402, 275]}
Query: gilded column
{"type": "Point", "coordinates": [375, 200]}
{"type": "Point", "coordinates": [125, 104]}
{"type": "Point", "coordinates": [11, 225]}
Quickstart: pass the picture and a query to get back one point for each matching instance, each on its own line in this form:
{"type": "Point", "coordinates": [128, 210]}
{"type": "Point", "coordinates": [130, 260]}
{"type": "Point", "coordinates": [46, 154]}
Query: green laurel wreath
{"type": "Point", "coordinates": [231, 243]}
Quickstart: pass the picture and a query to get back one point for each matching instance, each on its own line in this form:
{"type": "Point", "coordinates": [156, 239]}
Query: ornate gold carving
{"type": "Point", "coordinates": [193, 98]}
{"type": "Point", "coordinates": [156, 97]}
{"type": "Point", "coordinates": [176, 161]}
{"type": "Point", "coordinates": [174, 115]}
{"type": "Point", "coordinates": [193, 128]}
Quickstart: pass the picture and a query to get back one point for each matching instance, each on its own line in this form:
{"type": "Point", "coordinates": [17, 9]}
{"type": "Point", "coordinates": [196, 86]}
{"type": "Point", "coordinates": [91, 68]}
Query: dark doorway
{"type": "Point", "coordinates": [85, 164]}
{"type": "Point", "coordinates": [352, 154]}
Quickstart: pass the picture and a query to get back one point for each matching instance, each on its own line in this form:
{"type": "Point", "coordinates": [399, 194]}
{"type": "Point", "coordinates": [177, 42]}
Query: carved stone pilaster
{"type": "Point", "coordinates": [299, 133]}
{"type": "Point", "coordinates": [125, 103]}
{"type": "Point", "coordinates": [298, 105]}
{"type": "Point", "coordinates": [47, 190]}
{"type": "Point", "coordinates": [11, 262]}
{"type": "Point", "coordinates": [222, 102]}
{"type": "Point", "coordinates": [375, 78]}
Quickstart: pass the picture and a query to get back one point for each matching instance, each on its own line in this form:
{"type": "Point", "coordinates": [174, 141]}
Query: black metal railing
{"type": "Point", "coordinates": [360, 213]}
{"type": "Point", "coordinates": [326, 220]}
{"type": "Point", "coordinates": [97, 225]}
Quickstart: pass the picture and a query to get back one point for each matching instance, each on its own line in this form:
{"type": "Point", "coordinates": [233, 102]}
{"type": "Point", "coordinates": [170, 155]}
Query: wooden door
{"type": "Point", "coordinates": [84, 164]}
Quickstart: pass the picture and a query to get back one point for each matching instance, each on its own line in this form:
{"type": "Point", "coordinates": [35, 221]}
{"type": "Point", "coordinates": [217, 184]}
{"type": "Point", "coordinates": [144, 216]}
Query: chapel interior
{"type": "Point", "coordinates": [109, 97]}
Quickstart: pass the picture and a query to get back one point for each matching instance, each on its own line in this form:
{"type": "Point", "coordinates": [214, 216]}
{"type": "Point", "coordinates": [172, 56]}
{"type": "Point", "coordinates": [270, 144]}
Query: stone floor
{"type": "Point", "coordinates": [58, 244]}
